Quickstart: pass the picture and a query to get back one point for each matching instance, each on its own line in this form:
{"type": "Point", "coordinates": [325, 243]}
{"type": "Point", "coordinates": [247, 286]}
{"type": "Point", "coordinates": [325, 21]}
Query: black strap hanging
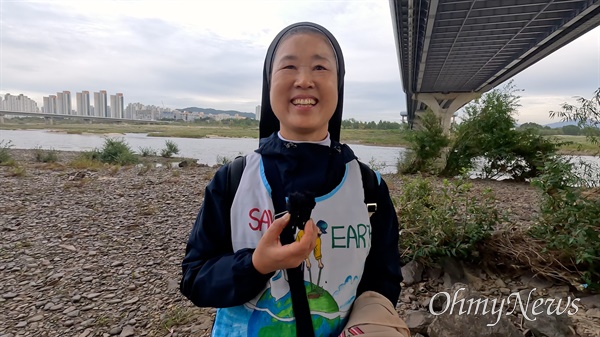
{"type": "Point", "coordinates": [304, 327]}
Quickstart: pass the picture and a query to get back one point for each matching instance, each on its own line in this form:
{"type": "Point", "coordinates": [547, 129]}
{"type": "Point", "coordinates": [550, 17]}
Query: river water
{"type": "Point", "coordinates": [205, 150]}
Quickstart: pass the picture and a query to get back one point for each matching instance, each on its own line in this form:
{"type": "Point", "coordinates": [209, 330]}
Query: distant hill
{"type": "Point", "coordinates": [217, 112]}
{"type": "Point", "coordinates": [560, 124]}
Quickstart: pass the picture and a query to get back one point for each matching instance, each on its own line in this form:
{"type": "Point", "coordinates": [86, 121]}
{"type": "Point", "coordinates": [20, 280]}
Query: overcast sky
{"type": "Point", "coordinates": [210, 53]}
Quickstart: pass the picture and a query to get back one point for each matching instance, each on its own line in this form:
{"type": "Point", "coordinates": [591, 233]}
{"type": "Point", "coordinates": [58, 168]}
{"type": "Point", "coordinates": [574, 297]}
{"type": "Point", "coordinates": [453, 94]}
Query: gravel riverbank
{"type": "Point", "coordinates": [98, 253]}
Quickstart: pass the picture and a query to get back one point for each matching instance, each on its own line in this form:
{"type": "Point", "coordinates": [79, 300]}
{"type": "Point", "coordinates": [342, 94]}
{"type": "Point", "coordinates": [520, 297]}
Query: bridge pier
{"type": "Point", "coordinates": [49, 120]}
{"type": "Point", "coordinates": [437, 101]}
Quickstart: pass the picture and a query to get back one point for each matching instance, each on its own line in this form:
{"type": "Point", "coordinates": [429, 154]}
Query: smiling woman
{"type": "Point", "coordinates": [268, 277]}
{"type": "Point", "coordinates": [304, 86]}
{"type": "Point", "coordinates": [303, 65]}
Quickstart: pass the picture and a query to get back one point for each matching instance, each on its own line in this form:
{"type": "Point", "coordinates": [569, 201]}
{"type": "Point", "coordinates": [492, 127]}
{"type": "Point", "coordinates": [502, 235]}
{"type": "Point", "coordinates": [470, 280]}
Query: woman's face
{"type": "Point", "coordinates": [303, 89]}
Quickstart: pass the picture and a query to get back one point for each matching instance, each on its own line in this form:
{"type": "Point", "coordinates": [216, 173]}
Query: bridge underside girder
{"type": "Point", "coordinates": [469, 46]}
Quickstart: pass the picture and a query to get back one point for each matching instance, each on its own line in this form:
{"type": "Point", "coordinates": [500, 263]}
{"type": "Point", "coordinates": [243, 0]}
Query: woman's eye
{"type": "Point", "coordinates": [320, 68]}
{"type": "Point", "coordinates": [289, 67]}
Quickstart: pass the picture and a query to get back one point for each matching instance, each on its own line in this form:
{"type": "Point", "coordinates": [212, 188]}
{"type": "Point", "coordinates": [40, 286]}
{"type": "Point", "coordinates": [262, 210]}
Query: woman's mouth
{"type": "Point", "coordinates": [304, 102]}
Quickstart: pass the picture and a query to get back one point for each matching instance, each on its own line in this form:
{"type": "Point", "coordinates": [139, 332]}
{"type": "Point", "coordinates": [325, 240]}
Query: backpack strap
{"type": "Point", "coordinates": [304, 327]}
{"type": "Point", "coordinates": [234, 176]}
{"type": "Point", "coordinates": [371, 184]}
{"type": "Point", "coordinates": [304, 324]}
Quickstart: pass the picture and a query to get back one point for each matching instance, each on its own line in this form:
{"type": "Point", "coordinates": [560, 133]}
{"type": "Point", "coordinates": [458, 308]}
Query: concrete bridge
{"type": "Point", "coordinates": [452, 51]}
{"type": "Point", "coordinates": [89, 119]}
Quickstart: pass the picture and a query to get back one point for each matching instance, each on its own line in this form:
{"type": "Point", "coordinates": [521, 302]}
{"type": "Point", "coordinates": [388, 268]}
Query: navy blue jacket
{"type": "Point", "coordinates": [215, 276]}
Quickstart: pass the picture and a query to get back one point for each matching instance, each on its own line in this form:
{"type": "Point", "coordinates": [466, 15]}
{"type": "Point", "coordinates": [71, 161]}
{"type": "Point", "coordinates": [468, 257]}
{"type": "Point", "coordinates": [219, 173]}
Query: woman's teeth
{"type": "Point", "coordinates": [304, 101]}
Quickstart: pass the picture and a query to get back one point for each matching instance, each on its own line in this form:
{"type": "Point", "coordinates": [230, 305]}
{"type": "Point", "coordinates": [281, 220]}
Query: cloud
{"type": "Point", "coordinates": [571, 70]}
{"type": "Point", "coordinates": [368, 101]}
{"type": "Point", "coordinates": [184, 53]}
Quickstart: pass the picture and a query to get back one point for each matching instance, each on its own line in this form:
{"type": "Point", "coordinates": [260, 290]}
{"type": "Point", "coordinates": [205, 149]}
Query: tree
{"type": "Point", "coordinates": [488, 133]}
{"type": "Point", "coordinates": [571, 130]}
{"type": "Point", "coordinates": [426, 144]}
{"type": "Point", "coordinates": [570, 208]}
{"type": "Point", "coordinates": [530, 125]}
{"type": "Point", "coordinates": [586, 114]}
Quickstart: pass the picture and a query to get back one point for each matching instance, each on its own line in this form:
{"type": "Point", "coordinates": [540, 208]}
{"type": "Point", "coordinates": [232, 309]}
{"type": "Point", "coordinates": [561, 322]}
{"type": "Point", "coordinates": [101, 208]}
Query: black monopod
{"type": "Point", "coordinates": [300, 205]}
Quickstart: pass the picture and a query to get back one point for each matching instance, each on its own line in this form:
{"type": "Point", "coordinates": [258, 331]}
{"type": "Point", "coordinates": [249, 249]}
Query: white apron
{"type": "Point", "coordinates": [342, 217]}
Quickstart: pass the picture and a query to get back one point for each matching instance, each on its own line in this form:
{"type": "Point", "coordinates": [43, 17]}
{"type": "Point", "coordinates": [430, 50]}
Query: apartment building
{"type": "Point", "coordinates": [19, 103]}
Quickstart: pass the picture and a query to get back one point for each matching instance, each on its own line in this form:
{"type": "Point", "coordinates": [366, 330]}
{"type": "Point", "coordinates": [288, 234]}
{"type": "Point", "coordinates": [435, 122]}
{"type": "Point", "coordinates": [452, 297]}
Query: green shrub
{"type": "Point", "coordinates": [170, 149]}
{"type": "Point", "coordinates": [5, 156]}
{"type": "Point", "coordinates": [147, 152]}
{"type": "Point", "coordinates": [569, 222]}
{"type": "Point", "coordinates": [375, 165]}
{"type": "Point", "coordinates": [42, 156]}
{"type": "Point", "coordinates": [404, 161]}
{"type": "Point", "coordinates": [222, 160]}
{"type": "Point", "coordinates": [488, 134]}
{"type": "Point", "coordinates": [426, 145]}
{"type": "Point", "coordinates": [116, 151]}
{"type": "Point", "coordinates": [444, 221]}
{"type": "Point", "coordinates": [586, 114]}
{"type": "Point", "coordinates": [522, 158]}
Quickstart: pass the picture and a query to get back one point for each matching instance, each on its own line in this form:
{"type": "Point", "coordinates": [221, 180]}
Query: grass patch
{"type": "Point", "coordinates": [10, 162]}
{"type": "Point", "coordinates": [375, 137]}
{"type": "Point", "coordinates": [223, 160]}
{"type": "Point", "coordinates": [114, 170]}
{"type": "Point", "coordinates": [85, 162]}
{"type": "Point", "coordinates": [5, 156]}
{"type": "Point", "coordinates": [578, 145]}
{"type": "Point", "coordinates": [23, 244]}
{"type": "Point", "coordinates": [73, 128]}
{"type": "Point", "coordinates": [394, 137]}
{"type": "Point", "coordinates": [103, 321]}
{"type": "Point", "coordinates": [45, 156]}
{"type": "Point", "coordinates": [375, 165]}
{"type": "Point", "coordinates": [145, 168]}
{"type": "Point", "coordinates": [53, 166]}
{"type": "Point", "coordinates": [76, 183]}
{"type": "Point", "coordinates": [175, 316]}
{"type": "Point", "coordinates": [354, 136]}
{"type": "Point", "coordinates": [18, 171]}
{"type": "Point", "coordinates": [204, 132]}
{"type": "Point", "coordinates": [147, 152]}
{"type": "Point", "coordinates": [144, 208]}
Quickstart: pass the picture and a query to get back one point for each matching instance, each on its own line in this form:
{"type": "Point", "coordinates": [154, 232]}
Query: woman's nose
{"type": "Point", "coordinates": [304, 78]}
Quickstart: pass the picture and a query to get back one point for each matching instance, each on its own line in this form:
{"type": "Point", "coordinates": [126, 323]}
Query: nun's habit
{"type": "Point", "coordinates": [268, 121]}
{"type": "Point", "coordinates": [214, 275]}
